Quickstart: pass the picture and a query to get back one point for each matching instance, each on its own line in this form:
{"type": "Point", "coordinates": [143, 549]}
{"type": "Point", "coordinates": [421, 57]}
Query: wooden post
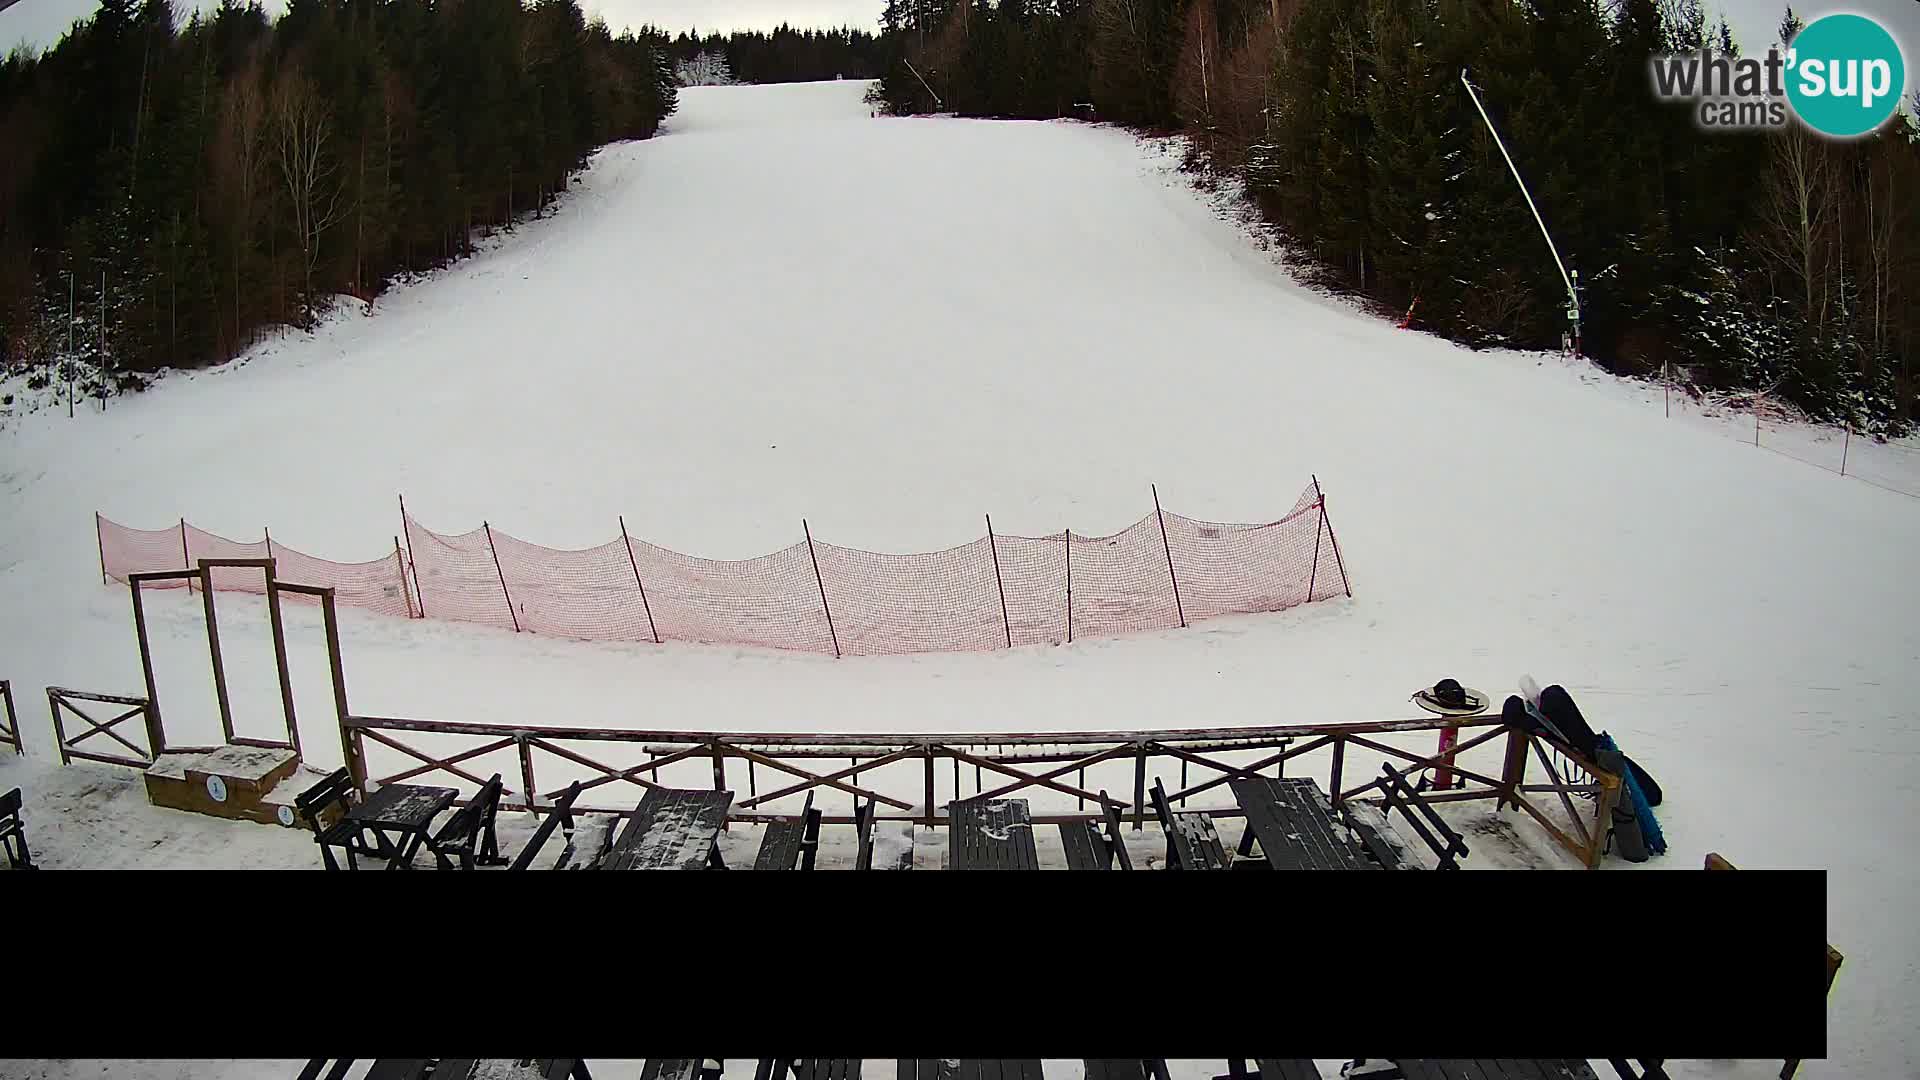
{"type": "Point", "coordinates": [155, 739]}
{"type": "Point", "coordinates": [101, 545]}
{"type": "Point", "coordinates": [1666, 387]}
{"type": "Point", "coordinates": [503, 577]}
{"type": "Point", "coordinates": [1178, 608]}
{"type": "Point", "coordinates": [998, 583]}
{"type": "Point", "coordinates": [526, 771]}
{"type": "Point", "coordinates": [1514, 772]}
{"type": "Point", "coordinates": [928, 750]}
{"type": "Point", "coordinates": [1339, 759]}
{"type": "Point", "coordinates": [280, 660]}
{"type": "Point", "coordinates": [1844, 447]}
{"type": "Point", "coordinates": [1313, 575]}
{"type": "Point", "coordinates": [817, 580]}
{"type": "Point", "coordinates": [352, 754]}
{"type": "Point", "coordinates": [59, 729]}
{"type": "Point", "coordinates": [419, 593]}
{"type": "Point", "coordinates": [213, 647]}
{"type": "Point", "coordinates": [624, 539]}
{"type": "Point", "coordinates": [186, 559]}
{"type": "Point", "coordinates": [1139, 786]}
{"type": "Point", "coordinates": [1332, 539]}
{"type": "Point", "coordinates": [1069, 545]}
{"type": "Point", "coordinates": [400, 563]}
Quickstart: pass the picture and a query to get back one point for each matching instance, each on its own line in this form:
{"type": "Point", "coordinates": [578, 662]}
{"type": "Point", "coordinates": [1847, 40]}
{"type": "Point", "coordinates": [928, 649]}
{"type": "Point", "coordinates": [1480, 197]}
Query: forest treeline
{"type": "Point", "coordinates": [184, 187]}
{"type": "Point", "coordinates": [781, 55]}
{"type": "Point", "coordinates": [1775, 263]}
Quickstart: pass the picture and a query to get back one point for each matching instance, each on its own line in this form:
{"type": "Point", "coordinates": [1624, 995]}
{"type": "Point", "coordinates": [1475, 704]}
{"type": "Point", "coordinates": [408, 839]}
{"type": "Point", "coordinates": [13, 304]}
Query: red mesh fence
{"type": "Point", "coordinates": [813, 596]}
{"type": "Point", "coordinates": [378, 585]}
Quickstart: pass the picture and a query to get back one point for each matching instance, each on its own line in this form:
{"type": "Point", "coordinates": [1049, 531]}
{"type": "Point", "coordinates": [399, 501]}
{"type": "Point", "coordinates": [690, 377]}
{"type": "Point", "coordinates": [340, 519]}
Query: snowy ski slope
{"type": "Point", "coordinates": [785, 308]}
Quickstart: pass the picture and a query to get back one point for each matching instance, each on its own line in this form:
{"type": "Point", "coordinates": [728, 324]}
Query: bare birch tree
{"type": "Point", "coordinates": [1795, 213]}
{"type": "Point", "coordinates": [302, 128]}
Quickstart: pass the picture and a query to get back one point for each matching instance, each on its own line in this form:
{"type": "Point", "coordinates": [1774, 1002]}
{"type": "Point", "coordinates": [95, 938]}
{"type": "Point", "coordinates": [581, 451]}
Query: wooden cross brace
{"type": "Point", "coordinates": [96, 727]}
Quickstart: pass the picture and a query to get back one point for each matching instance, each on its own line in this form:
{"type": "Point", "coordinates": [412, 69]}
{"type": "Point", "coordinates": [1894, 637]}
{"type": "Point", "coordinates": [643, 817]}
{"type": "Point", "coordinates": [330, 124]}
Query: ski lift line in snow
{"type": "Point", "coordinates": [999, 591]}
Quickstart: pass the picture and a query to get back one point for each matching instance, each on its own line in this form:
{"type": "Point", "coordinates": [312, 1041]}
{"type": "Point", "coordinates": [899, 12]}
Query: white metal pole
{"type": "Point", "coordinates": [916, 74]}
{"type": "Point", "coordinates": [1573, 297]}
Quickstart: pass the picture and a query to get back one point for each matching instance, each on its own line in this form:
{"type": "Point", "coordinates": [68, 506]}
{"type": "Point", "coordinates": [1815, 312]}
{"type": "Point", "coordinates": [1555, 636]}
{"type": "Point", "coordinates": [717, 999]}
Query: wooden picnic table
{"type": "Point", "coordinates": [399, 816]}
{"type": "Point", "coordinates": [518, 1068]}
{"type": "Point", "coordinates": [1496, 1069]}
{"type": "Point", "coordinates": [1294, 823]}
{"type": "Point", "coordinates": [991, 834]}
{"type": "Point", "coordinates": [672, 829]}
{"type": "Point", "coordinates": [968, 1069]}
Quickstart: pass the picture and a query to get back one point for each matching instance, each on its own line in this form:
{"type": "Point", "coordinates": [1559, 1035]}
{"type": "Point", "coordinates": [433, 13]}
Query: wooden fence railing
{"type": "Point", "coordinates": [60, 699]}
{"type": "Point", "coordinates": [903, 774]}
{"type": "Point", "coordinates": [10, 732]}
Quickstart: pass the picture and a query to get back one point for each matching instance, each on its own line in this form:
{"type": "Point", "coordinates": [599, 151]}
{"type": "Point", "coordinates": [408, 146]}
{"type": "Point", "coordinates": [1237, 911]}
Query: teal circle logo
{"type": "Point", "coordinates": [1845, 75]}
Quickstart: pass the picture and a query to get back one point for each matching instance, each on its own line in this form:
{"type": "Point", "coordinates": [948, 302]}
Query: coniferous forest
{"type": "Point", "coordinates": [188, 187]}
{"type": "Point", "coordinates": [784, 55]}
{"type": "Point", "coordinates": [1776, 263]}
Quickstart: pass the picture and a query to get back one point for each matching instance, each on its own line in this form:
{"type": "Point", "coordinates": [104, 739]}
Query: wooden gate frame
{"type": "Point", "coordinates": [204, 574]}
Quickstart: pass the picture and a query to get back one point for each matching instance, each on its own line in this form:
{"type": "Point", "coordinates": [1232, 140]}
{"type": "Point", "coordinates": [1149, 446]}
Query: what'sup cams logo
{"type": "Point", "coordinates": [1842, 76]}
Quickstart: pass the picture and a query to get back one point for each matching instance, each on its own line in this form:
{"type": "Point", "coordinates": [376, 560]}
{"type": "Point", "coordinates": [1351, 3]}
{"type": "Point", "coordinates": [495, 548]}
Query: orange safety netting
{"type": "Point", "coordinates": [1162, 571]}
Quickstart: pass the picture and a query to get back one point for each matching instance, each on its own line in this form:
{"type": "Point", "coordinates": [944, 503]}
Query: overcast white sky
{"type": "Point", "coordinates": [41, 22]}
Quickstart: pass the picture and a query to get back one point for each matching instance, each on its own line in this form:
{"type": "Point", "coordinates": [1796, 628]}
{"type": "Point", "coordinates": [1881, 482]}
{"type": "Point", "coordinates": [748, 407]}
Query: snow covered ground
{"type": "Point", "coordinates": [784, 308]}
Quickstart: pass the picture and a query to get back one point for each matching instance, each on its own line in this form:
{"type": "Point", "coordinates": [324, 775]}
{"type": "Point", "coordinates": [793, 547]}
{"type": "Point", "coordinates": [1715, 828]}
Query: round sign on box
{"type": "Point", "coordinates": [217, 788]}
{"type": "Point", "coordinates": [286, 816]}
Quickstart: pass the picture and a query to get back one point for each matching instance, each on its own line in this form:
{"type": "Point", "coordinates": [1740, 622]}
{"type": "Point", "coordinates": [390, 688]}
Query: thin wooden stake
{"type": "Point", "coordinates": [817, 580]}
{"type": "Point", "coordinates": [1332, 539]}
{"type": "Point", "coordinates": [999, 584]}
{"type": "Point", "coordinates": [1069, 545]}
{"type": "Point", "coordinates": [1844, 447]}
{"type": "Point", "coordinates": [624, 539]}
{"type": "Point", "coordinates": [1164, 546]}
{"type": "Point", "coordinates": [186, 559]}
{"type": "Point", "coordinates": [418, 593]}
{"type": "Point", "coordinates": [400, 564]}
{"type": "Point", "coordinates": [503, 576]}
{"type": "Point", "coordinates": [101, 544]}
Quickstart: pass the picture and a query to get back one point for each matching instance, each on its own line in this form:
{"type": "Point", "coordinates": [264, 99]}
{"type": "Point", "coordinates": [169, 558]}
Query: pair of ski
{"type": "Point", "coordinates": [1635, 831]}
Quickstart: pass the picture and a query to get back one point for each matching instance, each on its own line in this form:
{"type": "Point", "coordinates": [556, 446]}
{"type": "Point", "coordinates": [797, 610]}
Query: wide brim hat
{"type": "Point", "coordinates": [1474, 702]}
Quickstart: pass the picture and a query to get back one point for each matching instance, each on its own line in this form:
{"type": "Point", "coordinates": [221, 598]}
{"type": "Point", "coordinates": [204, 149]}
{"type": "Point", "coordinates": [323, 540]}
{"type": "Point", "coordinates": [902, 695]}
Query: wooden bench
{"type": "Point", "coordinates": [1192, 841]}
{"type": "Point", "coordinates": [1092, 845]}
{"type": "Point", "coordinates": [13, 834]}
{"type": "Point", "coordinates": [400, 1069]}
{"type": "Point", "coordinates": [791, 841]}
{"type": "Point", "coordinates": [1273, 1069]}
{"type": "Point", "coordinates": [471, 827]}
{"type": "Point", "coordinates": [677, 1069]}
{"type": "Point", "coordinates": [559, 816]}
{"type": "Point", "coordinates": [336, 790]}
{"type": "Point", "coordinates": [1834, 960]}
{"type": "Point", "coordinates": [316, 1065]}
{"type": "Point", "coordinates": [898, 854]}
{"type": "Point", "coordinates": [808, 1068]}
{"type": "Point", "coordinates": [1401, 797]}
